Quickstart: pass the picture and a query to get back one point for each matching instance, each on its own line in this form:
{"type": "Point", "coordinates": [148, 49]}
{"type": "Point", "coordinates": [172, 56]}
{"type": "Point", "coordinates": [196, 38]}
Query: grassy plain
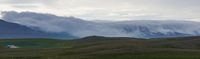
{"type": "Point", "coordinates": [96, 47]}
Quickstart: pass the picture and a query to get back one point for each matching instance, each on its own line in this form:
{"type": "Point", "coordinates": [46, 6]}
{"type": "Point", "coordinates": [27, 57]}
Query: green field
{"type": "Point", "coordinates": [96, 47]}
{"type": "Point", "coordinates": [37, 43]}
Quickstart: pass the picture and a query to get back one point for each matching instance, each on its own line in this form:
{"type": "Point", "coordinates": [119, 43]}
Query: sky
{"type": "Point", "coordinates": [110, 10]}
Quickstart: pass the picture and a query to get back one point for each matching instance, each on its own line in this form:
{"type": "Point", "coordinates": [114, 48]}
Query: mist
{"type": "Point", "coordinates": [82, 28]}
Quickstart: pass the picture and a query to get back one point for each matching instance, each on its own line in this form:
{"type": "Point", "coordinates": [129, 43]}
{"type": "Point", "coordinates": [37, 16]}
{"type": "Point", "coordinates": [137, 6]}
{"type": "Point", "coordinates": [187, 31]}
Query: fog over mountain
{"type": "Point", "coordinates": [13, 30]}
{"type": "Point", "coordinates": [82, 28]}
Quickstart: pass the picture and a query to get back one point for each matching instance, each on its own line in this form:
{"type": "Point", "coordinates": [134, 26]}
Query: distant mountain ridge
{"type": "Point", "coordinates": [158, 29]}
{"type": "Point", "coordinates": [51, 26]}
{"type": "Point", "coordinates": [149, 30]}
{"type": "Point", "coordinates": [13, 30]}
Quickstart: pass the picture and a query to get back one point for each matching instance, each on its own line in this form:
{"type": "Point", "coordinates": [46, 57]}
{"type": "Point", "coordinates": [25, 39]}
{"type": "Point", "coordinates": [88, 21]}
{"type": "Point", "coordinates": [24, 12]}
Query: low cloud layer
{"type": "Point", "coordinates": [52, 23]}
{"type": "Point", "coordinates": [81, 28]}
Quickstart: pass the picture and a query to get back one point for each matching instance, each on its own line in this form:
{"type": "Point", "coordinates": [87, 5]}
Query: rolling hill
{"type": "Point", "coordinates": [98, 47]}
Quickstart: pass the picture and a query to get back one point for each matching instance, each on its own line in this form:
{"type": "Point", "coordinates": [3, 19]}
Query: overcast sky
{"type": "Point", "coordinates": [111, 10]}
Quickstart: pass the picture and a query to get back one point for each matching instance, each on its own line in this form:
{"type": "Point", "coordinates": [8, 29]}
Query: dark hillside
{"type": "Point", "coordinates": [13, 30]}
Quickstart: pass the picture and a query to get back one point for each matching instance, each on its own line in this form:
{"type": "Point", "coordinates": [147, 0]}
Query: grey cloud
{"type": "Point", "coordinates": [98, 9]}
{"type": "Point", "coordinates": [182, 3]}
{"type": "Point", "coordinates": [28, 1]}
{"type": "Point", "coordinates": [163, 9]}
{"type": "Point", "coordinates": [25, 6]}
{"type": "Point", "coordinates": [20, 1]}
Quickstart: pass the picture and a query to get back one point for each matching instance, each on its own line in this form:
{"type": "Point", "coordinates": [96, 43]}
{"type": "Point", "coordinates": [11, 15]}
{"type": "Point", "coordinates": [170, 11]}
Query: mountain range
{"type": "Point", "coordinates": [13, 30]}
{"type": "Point", "coordinates": [39, 25]}
{"type": "Point", "coordinates": [158, 29]}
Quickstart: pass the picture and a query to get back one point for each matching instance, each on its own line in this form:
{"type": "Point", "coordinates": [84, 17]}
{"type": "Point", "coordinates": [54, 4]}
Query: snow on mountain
{"type": "Point", "coordinates": [81, 28]}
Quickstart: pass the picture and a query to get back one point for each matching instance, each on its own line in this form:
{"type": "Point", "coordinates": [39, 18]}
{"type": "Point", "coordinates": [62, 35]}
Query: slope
{"type": "Point", "coordinates": [13, 30]}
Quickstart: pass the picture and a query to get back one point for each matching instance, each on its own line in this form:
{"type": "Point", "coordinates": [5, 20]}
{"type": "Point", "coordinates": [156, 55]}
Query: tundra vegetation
{"type": "Point", "coordinates": [97, 47]}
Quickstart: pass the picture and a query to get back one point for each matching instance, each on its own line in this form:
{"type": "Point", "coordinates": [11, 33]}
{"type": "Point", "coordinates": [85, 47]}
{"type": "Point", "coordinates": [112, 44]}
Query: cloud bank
{"type": "Point", "coordinates": [52, 23]}
{"type": "Point", "coordinates": [81, 28]}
